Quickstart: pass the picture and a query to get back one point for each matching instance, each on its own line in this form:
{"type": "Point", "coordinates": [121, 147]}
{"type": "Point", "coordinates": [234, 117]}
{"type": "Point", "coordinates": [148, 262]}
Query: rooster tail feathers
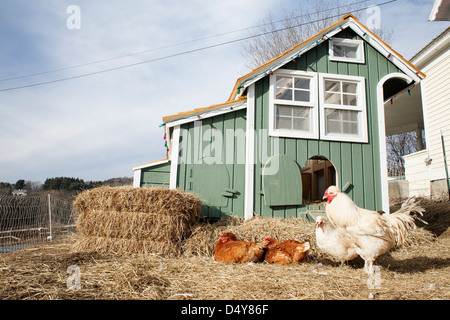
{"type": "Point", "coordinates": [403, 218]}
{"type": "Point", "coordinates": [410, 205]}
{"type": "Point", "coordinates": [400, 224]}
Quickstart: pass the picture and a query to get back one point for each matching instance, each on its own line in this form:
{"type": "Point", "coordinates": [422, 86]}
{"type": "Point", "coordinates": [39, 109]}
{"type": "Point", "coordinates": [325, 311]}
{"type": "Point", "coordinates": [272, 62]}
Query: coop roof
{"type": "Point", "coordinates": [201, 112]}
{"type": "Point", "coordinates": [151, 164]}
{"type": "Point", "coordinates": [347, 21]}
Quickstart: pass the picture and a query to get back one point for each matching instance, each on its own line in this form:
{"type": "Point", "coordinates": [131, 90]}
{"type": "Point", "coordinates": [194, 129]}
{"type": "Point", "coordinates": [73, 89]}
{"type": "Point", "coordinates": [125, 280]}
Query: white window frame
{"type": "Point", "coordinates": [361, 107]}
{"type": "Point", "coordinates": [313, 104]}
{"type": "Point", "coordinates": [350, 43]}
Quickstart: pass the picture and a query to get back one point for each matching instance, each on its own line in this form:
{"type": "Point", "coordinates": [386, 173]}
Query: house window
{"type": "Point", "coordinates": [342, 108]}
{"type": "Point", "coordinates": [347, 50]}
{"type": "Point", "coordinates": [293, 97]}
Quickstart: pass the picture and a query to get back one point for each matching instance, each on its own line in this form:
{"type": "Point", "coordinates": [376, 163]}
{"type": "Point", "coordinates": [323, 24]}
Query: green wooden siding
{"type": "Point", "coordinates": [156, 176]}
{"type": "Point", "coordinates": [282, 181]}
{"type": "Point", "coordinates": [210, 181]}
{"type": "Point", "coordinates": [355, 163]}
{"type": "Point", "coordinates": [219, 182]}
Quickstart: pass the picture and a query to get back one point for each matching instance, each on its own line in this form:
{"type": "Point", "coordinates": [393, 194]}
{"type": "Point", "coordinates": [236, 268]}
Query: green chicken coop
{"type": "Point", "coordinates": [312, 117]}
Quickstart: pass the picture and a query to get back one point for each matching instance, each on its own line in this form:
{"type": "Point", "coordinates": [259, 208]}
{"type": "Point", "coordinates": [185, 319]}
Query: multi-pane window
{"type": "Point", "coordinates": [342, 121]}
{"type": "Point", "coordinates": [341, 92]}
{"type": "Point", "coordinates": [342, 105]}
{"type": "Point", "coordinates": [318, 106]}
{"type": "Point", "coordinates": [293, 88]}
{"type": "Point", "coordinates": [293, 118]}
{"type": "Point", "coordinates": [294, 110]}
{"type": "Point", "coordinates": [347, 50]}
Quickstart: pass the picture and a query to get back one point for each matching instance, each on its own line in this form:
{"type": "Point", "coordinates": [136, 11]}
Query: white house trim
{"type": "Point", "coordinates": [249, 154]}
{"type": "Point", "coordinates": [151, 164]}
{"type": "Point", "coordinates": [136, 178]}
{"type": "Point", "coordinates": [382, 136]}
{"type": "Point", "coordinates": [208, 114]}
{"type": "Point", "coordinates": [174, 151]}
{"type": "Point", "coordinates": [382, 48]}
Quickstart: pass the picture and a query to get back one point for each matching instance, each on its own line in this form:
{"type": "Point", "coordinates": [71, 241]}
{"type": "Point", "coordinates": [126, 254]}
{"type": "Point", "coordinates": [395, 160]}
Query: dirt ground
{"type": "Point", "coordinates": [420, 271]}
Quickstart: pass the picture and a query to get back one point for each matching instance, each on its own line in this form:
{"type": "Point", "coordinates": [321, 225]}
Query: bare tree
{"type": "Point", "coordinates": [399, 145]}
{"type": "Point", "coordinates": [294, 26]}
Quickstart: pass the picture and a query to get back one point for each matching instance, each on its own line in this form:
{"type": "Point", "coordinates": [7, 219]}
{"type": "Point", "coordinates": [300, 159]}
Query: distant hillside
{"type": "Point", "coordinates": [118, 182]}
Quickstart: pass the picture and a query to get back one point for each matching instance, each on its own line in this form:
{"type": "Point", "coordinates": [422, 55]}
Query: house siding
{"type": "Point", "coordinates": [357, 163]}
{"type": "Point", "coordinates": [436, 88]}
{"type": "Point", "coordinates": [416, 172]}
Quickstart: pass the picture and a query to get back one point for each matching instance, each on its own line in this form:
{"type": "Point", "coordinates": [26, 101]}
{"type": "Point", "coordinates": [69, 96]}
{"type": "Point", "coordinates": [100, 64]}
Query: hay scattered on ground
{"type": "Point", "coordinates": [135, 220]}
{"type": "Point", "coordinates": [205, 235]}
{"type": "Point", "coordinates": [420, 269]}
{"type": "Point", "coordinates": [41, 273]}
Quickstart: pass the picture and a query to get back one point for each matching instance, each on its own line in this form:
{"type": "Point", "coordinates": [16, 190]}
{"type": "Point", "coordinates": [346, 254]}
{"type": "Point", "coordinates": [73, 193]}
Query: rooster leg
{"type": "Point", "coordinates": [368, 266]}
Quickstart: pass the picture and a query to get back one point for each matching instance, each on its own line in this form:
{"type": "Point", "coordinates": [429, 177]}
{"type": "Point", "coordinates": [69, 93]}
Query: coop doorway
{"type": "Point", "coordinates": [318, 174]}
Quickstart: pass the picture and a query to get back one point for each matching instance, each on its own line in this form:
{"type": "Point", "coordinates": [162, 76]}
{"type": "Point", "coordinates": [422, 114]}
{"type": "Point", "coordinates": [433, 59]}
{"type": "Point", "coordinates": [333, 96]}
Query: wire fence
{"type": "Point", "coordinates": [30, 220]}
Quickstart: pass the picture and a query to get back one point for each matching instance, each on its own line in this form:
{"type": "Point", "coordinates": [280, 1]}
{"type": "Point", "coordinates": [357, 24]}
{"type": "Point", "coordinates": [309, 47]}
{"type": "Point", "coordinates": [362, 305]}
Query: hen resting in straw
{"type": "Point", "coordinates": [373, 234]}
{"type": "Point", "coordinates": [229, 250]}
{"type": "Point", "coordinates": [289, 251]}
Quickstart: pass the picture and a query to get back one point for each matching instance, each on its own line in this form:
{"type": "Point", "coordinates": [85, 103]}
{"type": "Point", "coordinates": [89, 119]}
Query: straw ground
{"type": "Point", "coordinates": [418, 270]}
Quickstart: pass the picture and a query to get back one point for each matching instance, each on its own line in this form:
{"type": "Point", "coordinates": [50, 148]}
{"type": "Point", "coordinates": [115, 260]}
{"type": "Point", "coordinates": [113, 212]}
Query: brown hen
{"type": "Point", "coordinates": [229, 250]}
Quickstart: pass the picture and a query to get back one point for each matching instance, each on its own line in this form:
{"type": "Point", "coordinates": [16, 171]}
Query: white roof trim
{"type": "Point", "coordinates": [434, 10]}
{"type": "Point", "coordinates": [439, 43]}
{"type": "Point", "coordinates": [358, 28]}
{"type": "Point", "coordinates": [231, 107]}
{"type": "Point", "coordinates": [151, 164]}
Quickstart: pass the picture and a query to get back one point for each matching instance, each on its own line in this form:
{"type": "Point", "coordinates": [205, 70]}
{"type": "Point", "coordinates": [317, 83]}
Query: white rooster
{"type": "Point", "coordinates": [374, 234]}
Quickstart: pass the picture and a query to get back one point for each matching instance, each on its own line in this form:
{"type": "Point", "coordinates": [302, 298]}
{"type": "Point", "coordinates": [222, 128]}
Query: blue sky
{"type": "Point", "coordinates": [101, 126]}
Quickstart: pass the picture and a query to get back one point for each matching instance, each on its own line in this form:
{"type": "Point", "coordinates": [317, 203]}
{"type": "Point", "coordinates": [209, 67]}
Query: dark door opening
{"type": "Point", "coordinates": [318, 174]}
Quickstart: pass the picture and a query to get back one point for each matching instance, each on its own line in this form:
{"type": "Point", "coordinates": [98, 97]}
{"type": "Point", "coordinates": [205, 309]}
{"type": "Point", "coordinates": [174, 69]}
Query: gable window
{"type": "Point", "coordinates": [293, 111]}
{"type": "Point", "coordinates": [347, 50]}
{"type": "Point", "coordinates": [342, 108]}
